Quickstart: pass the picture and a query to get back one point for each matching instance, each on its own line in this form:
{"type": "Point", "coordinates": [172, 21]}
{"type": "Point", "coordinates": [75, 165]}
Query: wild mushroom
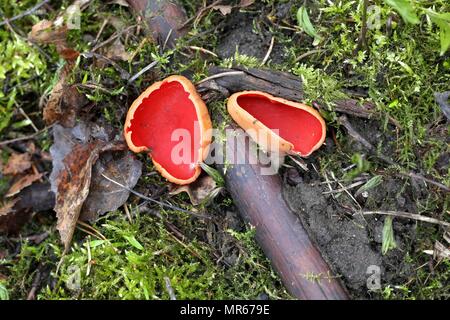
{"type": "Point", "coordinates": [168, 113]}
{"type": "Point", "coordinates": [277, 124]}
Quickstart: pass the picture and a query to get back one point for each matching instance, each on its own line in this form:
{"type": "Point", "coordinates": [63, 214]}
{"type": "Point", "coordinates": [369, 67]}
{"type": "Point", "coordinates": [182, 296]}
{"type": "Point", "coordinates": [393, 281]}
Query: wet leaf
{"type": "Point", "coordinates": [17, 163]}
{"type": "Point", "coordinates": [22, 183]}
{"type": "Point", "coordinates": [104, 195]}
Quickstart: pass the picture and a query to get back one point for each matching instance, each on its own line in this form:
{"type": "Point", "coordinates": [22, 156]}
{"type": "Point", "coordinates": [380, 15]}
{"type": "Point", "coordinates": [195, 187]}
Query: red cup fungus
{"type": "Point", "coordinates": [300, 129]}
{"type": "Point", "coordinates": [164, 107]}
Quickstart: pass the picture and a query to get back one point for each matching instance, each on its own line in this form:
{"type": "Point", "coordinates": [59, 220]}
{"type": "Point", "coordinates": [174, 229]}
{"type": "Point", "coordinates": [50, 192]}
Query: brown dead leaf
{"type": "Point", "coordinates": [74, 152]}
{"type": "Point", "coordinates": [17, 163]}
{"type": "Point", "coordinates": [224, 9]}
{"type": "Point", "coordinates": [73, 187]}
{"type": "Point", "coordinates": [117, 51]}
{"type": "Point", "coordinates": [7, 207]}
{"type": "Point", "coordinates": [43, 32]}
{"type": "Point", "coordinates": [104, 195]}
{"type": "Point", "coordinates": [12, 220]}
{"type": "Point", "coordinates": [21, 183]}
{"type": "Point", "coordinates": [46, 32]}
{"type": "Point", "coordinates": [246, 3]}
{"type": "Point", "coordinates": [65, 101]}
{"type": "Point", "coordinates": [201, 190]}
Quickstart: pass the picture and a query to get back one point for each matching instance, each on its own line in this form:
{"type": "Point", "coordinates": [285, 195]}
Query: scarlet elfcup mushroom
{"type": "Point", "coordinates": [278, 124]}
{"type": "Point", "coordinates": [167, 114]}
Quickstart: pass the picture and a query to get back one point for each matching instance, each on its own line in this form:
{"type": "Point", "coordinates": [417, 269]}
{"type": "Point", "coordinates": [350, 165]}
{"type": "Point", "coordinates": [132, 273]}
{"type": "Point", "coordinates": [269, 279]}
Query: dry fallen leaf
{"type": "Point", "coordinates": [46, 32]}
{"type": "Point", "coordinates": [224, 9]}
{"type": "Point", "coordinates": [246, 3]}
{"type": "Point", "coordinates": [201, 190]}
{"type": "Point", "coordinates": [104, 195]}
{"type": "Point", "coordinates": [17, 163]}
{"type": "Point", "coordinates": [7, 207]}
{"type": "Point", "coordinates": [117, 51]}
{"type": "Point", "coordinates": [21, 183]}
{"type": "Point", "coordinates": [65, 101]}
{"type": "Point", "coordinates": [74, 152]}
{"type": "Point", "coordinates": [73, 187]}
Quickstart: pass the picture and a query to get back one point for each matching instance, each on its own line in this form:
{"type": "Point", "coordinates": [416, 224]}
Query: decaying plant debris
{"type": "Point", "coordinates": [66, 174]}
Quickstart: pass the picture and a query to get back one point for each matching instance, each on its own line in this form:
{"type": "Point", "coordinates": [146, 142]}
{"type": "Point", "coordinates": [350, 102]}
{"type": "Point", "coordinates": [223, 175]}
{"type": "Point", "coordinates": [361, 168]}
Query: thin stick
{"type": "Point", "coordinates": [88, 269]}
{"type": "Point", "coordinates": [92, 229]}
{"type": "Point", "coordinates": [167, 39]}
{"type": "Point", "coordinates": [307, 54]}
{"type": "Point", "coordinates": [123, 73]}
{"type": "Point", "coordinates": [88, 232]}
{"type": "Point", "coordinates": [29, 119]}
{"type": "Point", "coordinates": [162, 204]}
{"type": "Point", "coordinates": [105, 22]}
{"type": "Point", "coordinates": [145, 69]}
{"type": "Point", "coordinates": [266, 57]}
{"type": "Point", "coordinates": [300, 162]}
{"type": "Point", "coordinates": [220, 75]}
{"type": "Point", "coordinates": [420, 177]}
{"type": "Point", "coordinates": [25, 13]}
{"type": "Point", "coordinates": [113, 37]}
{"type": "Point", "coordinates": [31, 136]}
{"type": "Point", "coordinates": [35, 284]}
{"type": "Point", "coordinates": [345, 190]}
{"type": "Point", "coordinates": [353, 185]}
{"type": "Point", "coordinates": [408, 215]}
{"type": "Point", "coordinates": [127, 211]}
{"type": "Point", "coordinates": [362, 43]}
{"type": "Point", "coordinates": [203, 50]}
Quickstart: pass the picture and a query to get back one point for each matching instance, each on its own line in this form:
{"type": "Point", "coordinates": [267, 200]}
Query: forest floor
{"type": "Point", "coordinates": [144, 251]}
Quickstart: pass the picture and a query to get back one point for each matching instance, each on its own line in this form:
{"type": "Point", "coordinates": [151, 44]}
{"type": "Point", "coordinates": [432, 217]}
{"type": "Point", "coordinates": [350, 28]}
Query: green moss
{"type": "Point", "coordinates": [134, 262]}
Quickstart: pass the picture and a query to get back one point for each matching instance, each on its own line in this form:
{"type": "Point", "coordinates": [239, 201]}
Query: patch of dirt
{"type": "Point", "coordinates": [351, 244]}
{"type": "Point", "coordinates": [245, 33]}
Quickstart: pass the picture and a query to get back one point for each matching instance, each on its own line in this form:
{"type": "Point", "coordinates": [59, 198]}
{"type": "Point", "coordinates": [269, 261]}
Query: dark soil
{"type": "Point", "coordinates": [351, 244]}
{"type": "Point", "coordinates": [244, 33]}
